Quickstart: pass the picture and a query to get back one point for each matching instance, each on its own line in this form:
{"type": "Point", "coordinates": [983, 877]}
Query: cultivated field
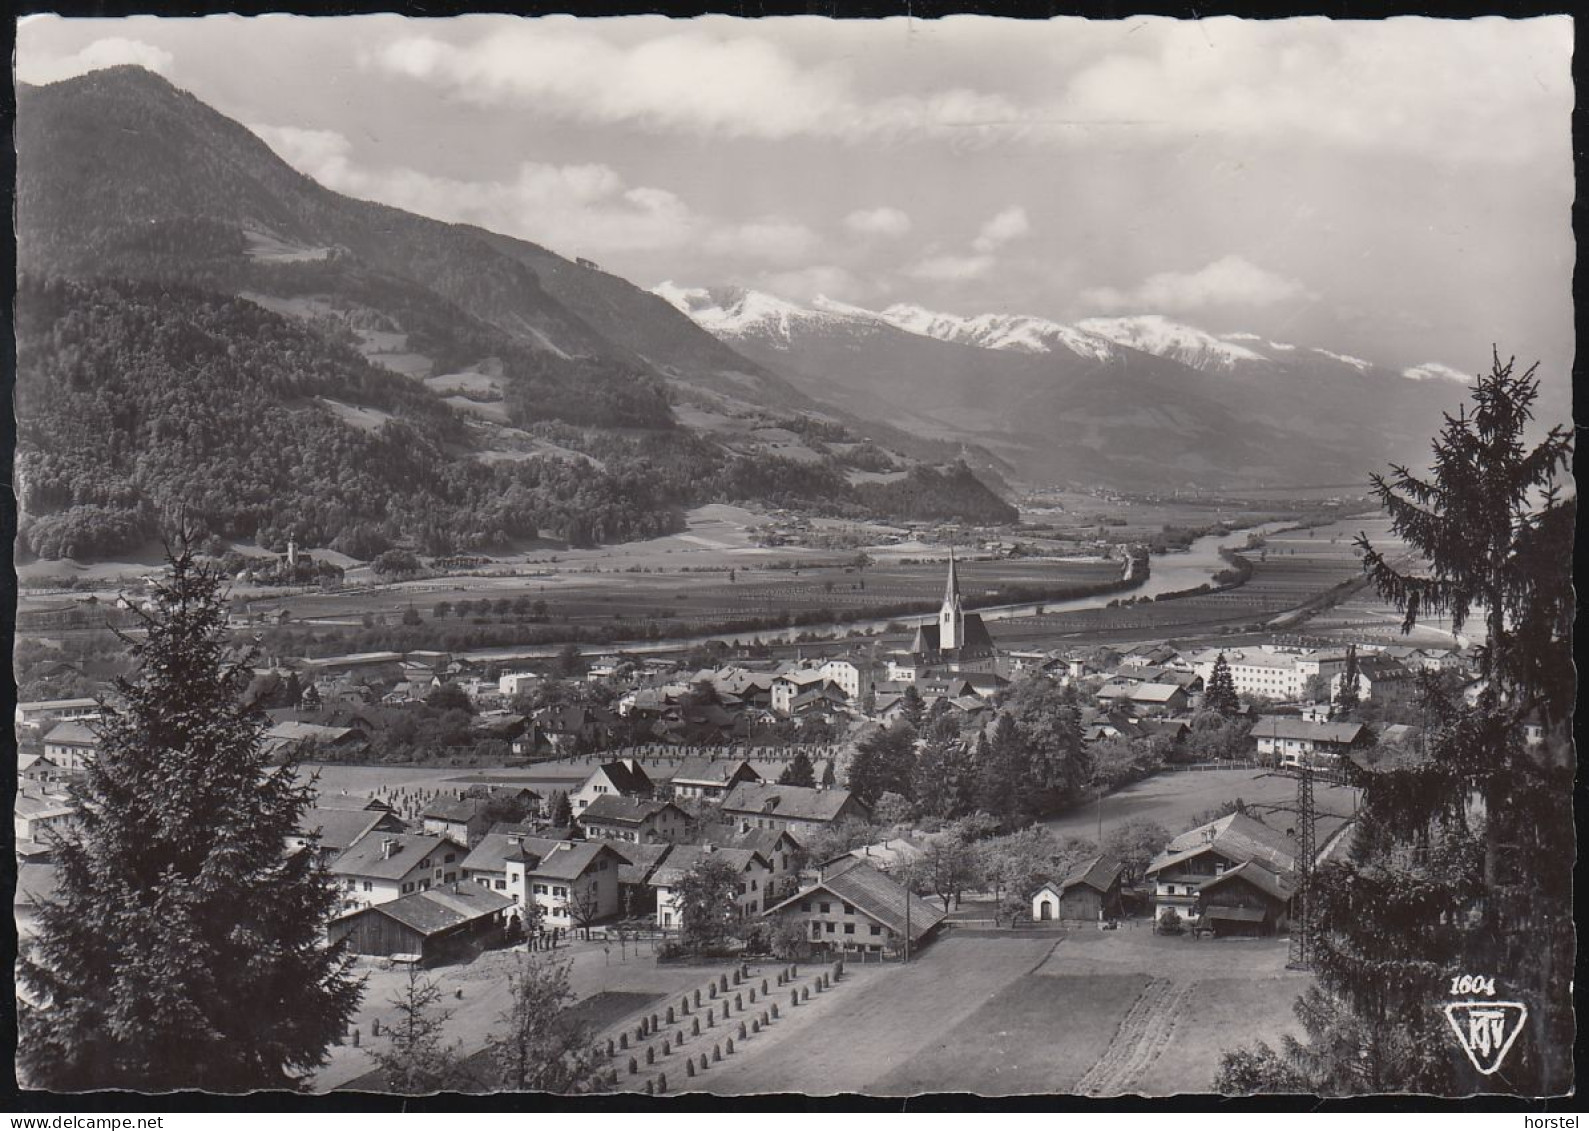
{"type": "Point", "coordinates": [1015, 1012]}
{"type": "Point", "coordinates": [1174, 799]}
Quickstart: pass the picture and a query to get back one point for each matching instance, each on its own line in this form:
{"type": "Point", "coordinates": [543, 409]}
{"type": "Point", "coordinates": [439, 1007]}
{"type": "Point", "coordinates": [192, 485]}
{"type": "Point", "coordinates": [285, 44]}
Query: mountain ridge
{"type": "Point", "coordinates": [539, 363]}
{"type": "Point", "coordinates": [1016, 384]}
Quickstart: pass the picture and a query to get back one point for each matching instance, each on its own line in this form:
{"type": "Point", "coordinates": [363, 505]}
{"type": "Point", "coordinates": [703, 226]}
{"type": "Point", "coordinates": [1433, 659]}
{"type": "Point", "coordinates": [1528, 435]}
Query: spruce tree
{"type": "Point", "coordinates": [799, 771]}
{"type": "Point", "coordinates": [414, 1061]}
{"type": "Point", "coordinates": [1221, 697]}
{"type": "Point", "coordinates": [182, 948]}
{"type": "Point", "coordinates": [562, 810]}
{"type": "Point", "coordinates": [1436, 885]}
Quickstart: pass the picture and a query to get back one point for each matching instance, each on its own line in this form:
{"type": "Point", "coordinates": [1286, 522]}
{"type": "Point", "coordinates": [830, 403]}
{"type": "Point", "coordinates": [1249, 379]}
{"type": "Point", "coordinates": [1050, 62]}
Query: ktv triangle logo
{"type": "Point", "coordinates": [1486, 1030]}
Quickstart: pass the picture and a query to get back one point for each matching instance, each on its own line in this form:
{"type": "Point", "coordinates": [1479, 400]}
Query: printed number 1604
{"type": "Point", "coordinates": [1473, 984]}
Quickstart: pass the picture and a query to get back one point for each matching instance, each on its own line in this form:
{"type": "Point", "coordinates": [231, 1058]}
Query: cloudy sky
{"type": "Point", "coordinates": [1399, 190]}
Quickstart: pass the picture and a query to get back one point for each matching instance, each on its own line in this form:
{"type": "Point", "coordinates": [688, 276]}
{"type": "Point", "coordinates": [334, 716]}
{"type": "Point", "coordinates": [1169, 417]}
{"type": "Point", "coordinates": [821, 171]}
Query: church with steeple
{"type": "Point", "coordinates": [958, 641]}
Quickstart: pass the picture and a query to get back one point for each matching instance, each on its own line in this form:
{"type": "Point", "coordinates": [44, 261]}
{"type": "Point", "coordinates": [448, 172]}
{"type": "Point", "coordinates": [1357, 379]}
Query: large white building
{"type": "Point", "coordinates": [1271, 673]}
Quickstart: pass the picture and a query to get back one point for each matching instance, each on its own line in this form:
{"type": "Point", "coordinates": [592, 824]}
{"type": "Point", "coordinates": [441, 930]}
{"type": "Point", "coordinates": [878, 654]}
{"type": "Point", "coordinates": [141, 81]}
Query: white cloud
{"type": "Point", "coordinates": [887, 222]}
{"type": "Point", "coordinates": [1471, 89]}
{"type": "Point", "coordinates": [1481, 90]}
{"type": "Point", "coordinates": [579, 209]}
{"type": "Point", "coordinates": [806, 283]}
{"type": "Point", "coordinates": [772, 240]}
{"type": "Point", "coordinates": [696, 80]}
{"type": "Point", "coordinates": [1231, 281]}
{"type": "Point", "coordinates": [1001, 229]}
{"type": "Point", "coordinates": [1435, 371]}
{"type": "Point", "coordinates": [113, 51]}
{"type": "Point", "coordinates": [951, 268]}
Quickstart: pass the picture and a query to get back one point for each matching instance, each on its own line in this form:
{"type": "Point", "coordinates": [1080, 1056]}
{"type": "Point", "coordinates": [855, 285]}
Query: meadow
{"type": "Point", "coordinates": [1174, 799]}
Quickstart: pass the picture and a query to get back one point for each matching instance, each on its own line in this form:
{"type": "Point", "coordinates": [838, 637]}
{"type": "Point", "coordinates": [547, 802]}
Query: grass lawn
{"type": "Point", "coordinates": [607, 1007]}
{"type": "Point", "coordinates": [1038, 1034]}
{"type": "Point", "coordinates": [1174, 799]}
{"type": "Point", "coordinates": [1224, 1014]}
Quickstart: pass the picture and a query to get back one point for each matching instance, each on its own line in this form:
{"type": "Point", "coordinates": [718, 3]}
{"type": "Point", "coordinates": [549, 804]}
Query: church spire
{"type": "Point", "coordinates": [951, 593]}
{"type": "Point", "coordinates": [951, 620]}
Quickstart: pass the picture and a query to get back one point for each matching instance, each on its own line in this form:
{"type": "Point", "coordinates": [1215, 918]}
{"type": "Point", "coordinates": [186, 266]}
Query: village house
{"type": "Point", "coordinates": [427, 926]}
{"type": "Point", "coordinates": [71, 746]}
{"type": "Point", "coordinates": [782, 852]}
{"type": "Point", "coordinates": [332, 832]}
{"type": "Point", "coordinates": [636, 820]}
{"type": "Point", "coordinates": [1089, 891]}
{"type": "Point", "coordinates": [574, 726]}
{"type": "Point", "coordinates": [853, 679]}
{"type": "Point", "coordinates": [568, 883]}
{"type": "Point", "coordinates": [510, 684]}
{"type": "Point", "coordinates": [636, 896]}
{"type": "Point", "coordinates": [464, 819]}
{"type": "Point", "coordinates": [856, 909]}
{"type": "Point", "coordinates": [1380, 680]}
{"type": "Point", "coordinates": [751, 867]}
{"type": "Point", "coordinates": [290, 734]}
{"type": "Point", "coordinates": [758, 805]}
{"type": "Point", "coordinates": [622, 778]}
{"type": "Point", "coordinates": [788, 686]}
{"type": "Point", "coordinates": [386, 866]}
{"type": "Point", "coordinates": [1289, 741]}
{"type": "Point", "coordinates": [37, 770]}
{"type": "Point", "coordinates": [710, 778]}
{"type": "Point", "coordinates": [1209, 851]}
{"type": "Point", "coordinates": [41, 817]}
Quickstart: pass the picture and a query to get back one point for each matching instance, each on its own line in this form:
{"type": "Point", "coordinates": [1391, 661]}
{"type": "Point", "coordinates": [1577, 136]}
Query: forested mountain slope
{"type": "Point", "coordinates": [283, 360]}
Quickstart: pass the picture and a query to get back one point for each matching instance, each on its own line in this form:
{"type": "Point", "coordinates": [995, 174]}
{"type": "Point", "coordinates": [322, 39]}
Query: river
{"type": "Point", "coordinates": [1185, 569]}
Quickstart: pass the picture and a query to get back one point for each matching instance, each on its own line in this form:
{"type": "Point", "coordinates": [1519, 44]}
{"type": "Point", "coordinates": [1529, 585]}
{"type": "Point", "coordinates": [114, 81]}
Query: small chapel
{"type": "Point", "coordinates": [958, 641]}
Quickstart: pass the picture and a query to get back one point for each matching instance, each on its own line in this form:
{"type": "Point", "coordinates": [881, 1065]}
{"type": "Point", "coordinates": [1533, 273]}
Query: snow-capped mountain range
{"type": "Point", "coordinates": [734, 313]}
{"type": "Point", "coordinates": [1141, 398]}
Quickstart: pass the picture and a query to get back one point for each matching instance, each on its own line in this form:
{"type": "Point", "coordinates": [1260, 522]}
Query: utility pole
{"type": "Point", "coordinates": [1301, 956]}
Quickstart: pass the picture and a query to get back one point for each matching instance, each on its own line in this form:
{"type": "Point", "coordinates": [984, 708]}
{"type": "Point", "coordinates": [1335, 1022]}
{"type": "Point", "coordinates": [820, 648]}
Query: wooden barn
{"type": "Point", "coordinates": [1089, 891]}
{"type": "Point", "coordinates": [431, 926]}
{"type": "Point", "coordinates": [1246, 900]}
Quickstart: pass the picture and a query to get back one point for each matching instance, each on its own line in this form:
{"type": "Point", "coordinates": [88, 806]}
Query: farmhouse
{"type": "Point", "coordinates": [857, 909]}
{"type": "Point", "coordinates": [636, 820]}
{"type": "Point", "coordinates": [757, 805]}
{"type": "Point", "coordinates": [623, 778]}
{"type": "Point", "coordinates": [1208, 851]}
{"type": "Point", "coordinates": [1248, 899]}
{"type": "Point", "coordinates": [428, 925]}
{"type": "Point", "coordinates": [1291, 740]}
{"type": "Point", "coordinates": [1090, 890]}
{"type": "Point", "coordinates": [387, 866]}
{"type": "Point", "coordinates": [71, 746]}
{"type": "Point", "coordinates": [710, 778]}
